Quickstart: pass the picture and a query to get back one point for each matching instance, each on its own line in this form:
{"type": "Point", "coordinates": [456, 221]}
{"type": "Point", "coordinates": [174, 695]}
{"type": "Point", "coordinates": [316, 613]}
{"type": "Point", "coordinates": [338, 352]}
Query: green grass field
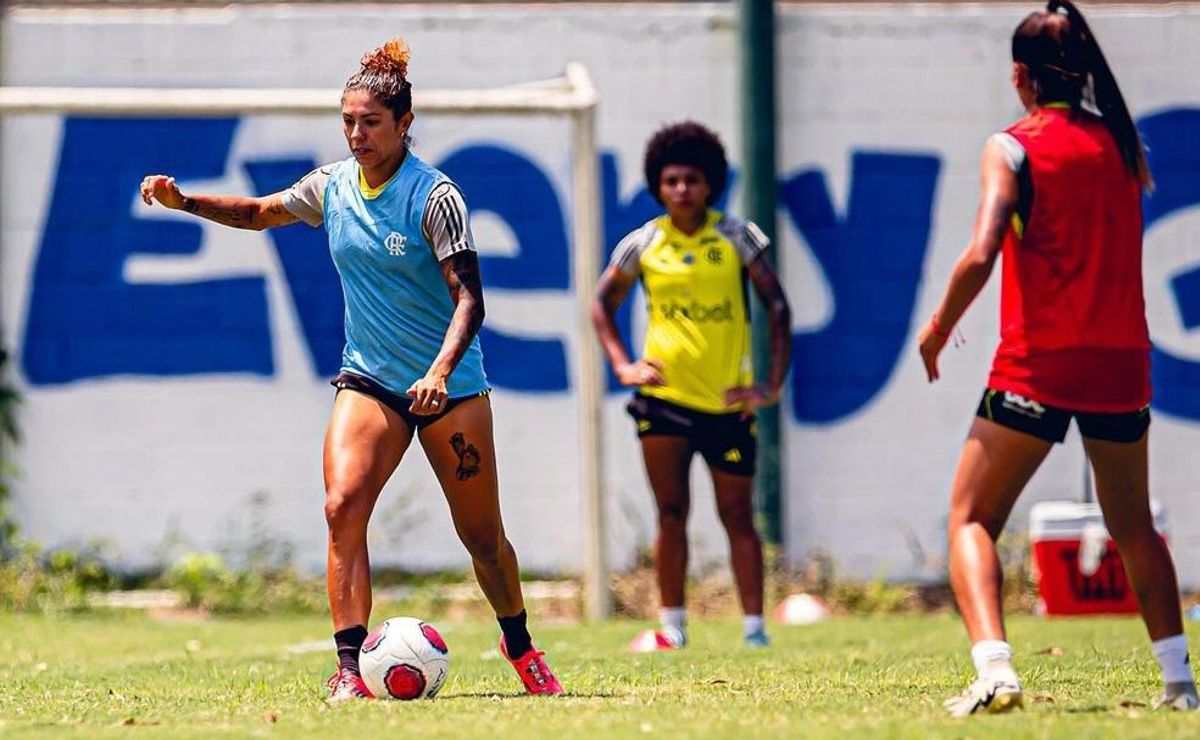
{"type": "Point", "coordinates": [124, 675]}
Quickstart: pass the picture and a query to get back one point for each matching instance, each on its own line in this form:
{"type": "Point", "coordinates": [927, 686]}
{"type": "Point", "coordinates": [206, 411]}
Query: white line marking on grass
{"type": "Point", "coordinates": [314, 646]}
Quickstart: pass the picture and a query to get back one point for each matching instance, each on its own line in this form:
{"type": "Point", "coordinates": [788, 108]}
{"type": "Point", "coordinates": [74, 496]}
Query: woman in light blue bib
{"type": "Point", "coordinates": [400, 239]}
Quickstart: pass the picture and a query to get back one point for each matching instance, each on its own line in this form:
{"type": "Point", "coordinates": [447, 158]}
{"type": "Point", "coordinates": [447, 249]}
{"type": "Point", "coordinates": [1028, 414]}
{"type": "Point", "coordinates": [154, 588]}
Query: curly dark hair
{"type": "Point", "coordinates": [687, 143]}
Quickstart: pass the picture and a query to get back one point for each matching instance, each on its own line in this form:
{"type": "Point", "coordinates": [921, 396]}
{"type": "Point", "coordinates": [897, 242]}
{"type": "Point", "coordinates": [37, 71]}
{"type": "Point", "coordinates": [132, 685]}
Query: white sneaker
{"type": "Point", "coordinates": [674, 635]}
{"type": "Point", "coordinates": [1179, 697]}
{"type": "Point", "coordinates": [993, 695]}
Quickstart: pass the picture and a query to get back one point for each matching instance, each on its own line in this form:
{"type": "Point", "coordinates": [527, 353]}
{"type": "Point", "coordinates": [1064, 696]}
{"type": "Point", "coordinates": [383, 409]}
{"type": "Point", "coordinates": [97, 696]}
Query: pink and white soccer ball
{"type": "Point", "coordinates": [404, 658]}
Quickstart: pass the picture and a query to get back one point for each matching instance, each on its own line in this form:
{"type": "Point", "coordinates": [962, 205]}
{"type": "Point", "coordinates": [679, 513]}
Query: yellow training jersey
{"type": "Point", "coordinates": [698, 323]}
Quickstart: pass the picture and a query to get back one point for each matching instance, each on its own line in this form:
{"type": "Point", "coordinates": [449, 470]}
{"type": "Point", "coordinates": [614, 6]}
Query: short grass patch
{"type": "Point", "coordinates": [110, 675]}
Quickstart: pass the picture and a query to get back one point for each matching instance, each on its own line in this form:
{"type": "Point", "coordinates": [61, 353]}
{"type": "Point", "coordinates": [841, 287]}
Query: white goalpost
{"type": "Point", "coordinates": [572, 96]}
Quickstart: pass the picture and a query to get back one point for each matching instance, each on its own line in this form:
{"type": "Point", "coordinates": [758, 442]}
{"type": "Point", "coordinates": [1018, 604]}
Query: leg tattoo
{"type": "Point", "coordinates": [468, 456]}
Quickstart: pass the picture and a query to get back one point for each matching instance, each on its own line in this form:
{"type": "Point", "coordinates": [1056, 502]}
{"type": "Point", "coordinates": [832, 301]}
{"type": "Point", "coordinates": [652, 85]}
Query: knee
{"type": "Point", "coordinates": [960, 525]}
{"type": "Point", "coordinates": [345, 506]}
{"type": "Point", "coordinates": [966, 517]}
{"type": "Point", "coordinates": [737, 517]}
{"type": "Point", "coordinates": [485, 547]}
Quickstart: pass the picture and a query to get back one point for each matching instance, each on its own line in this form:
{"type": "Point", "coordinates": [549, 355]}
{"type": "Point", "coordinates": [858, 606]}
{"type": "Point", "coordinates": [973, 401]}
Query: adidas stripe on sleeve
{"type": "Point", "coordinates": [445, 221]}
{"type": "Point", "coordinates": [746, 237]}
{"type": "Point", "coordinates": [627, 255]}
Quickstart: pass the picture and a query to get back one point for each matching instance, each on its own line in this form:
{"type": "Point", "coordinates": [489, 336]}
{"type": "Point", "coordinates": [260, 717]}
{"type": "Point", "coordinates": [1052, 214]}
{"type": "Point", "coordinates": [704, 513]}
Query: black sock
{"type": "Point", "coordinates": [349, 642]}
{"type": "Point", "coordinates": [516, 635]}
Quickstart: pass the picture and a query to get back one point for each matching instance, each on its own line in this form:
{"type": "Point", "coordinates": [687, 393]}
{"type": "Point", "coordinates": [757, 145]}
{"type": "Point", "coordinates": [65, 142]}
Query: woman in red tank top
{"type": "Point", "coordinates": [1061, 200]}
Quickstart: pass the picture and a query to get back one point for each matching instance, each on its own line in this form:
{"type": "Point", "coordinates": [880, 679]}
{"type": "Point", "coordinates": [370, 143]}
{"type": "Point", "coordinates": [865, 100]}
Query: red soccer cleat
{"type": "Point", "coordinates": [535, 674]}
{"type": "Point", "coordinates": [344, 686]}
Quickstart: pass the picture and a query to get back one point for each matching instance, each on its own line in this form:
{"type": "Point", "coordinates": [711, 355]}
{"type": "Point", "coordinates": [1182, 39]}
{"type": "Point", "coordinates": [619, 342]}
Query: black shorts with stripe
{"type": "Point", "coordinates": [1050, 422]}
{"type": "Point", "coordinates": [400, 404]}
{"type": "Point", "coordinates": [727, 442]}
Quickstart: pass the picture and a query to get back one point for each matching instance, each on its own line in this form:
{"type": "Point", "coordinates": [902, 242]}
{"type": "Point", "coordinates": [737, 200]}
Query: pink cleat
{"type": "Point", "coordinates": [344, 686]}
{"type": "Point", "coordinates": [535, 674]}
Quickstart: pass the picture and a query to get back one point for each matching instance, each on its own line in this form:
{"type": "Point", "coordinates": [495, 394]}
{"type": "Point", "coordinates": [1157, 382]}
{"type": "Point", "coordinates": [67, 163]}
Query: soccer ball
{"type": "Point", "coordinates": [404, 658]}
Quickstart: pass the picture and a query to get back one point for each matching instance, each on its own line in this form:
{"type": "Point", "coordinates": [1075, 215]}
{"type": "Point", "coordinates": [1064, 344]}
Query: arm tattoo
{"type": "Point", "coordinates": [223, 211]}
{"type": "Point", "coordinates": [238, 211]}
{"type": "Point", "coordinates": [766, 284]}
{"type": "Point", "coordinates": [461, 271]}
{"type": "Point", "coordinates": [462, 278]}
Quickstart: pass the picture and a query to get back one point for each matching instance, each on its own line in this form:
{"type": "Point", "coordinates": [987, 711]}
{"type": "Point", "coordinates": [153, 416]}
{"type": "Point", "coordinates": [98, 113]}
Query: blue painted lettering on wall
{"type": "Point", "coordinates": [872, 258]}
{"type": "Point", "coordinates": [86, 321]}
{"type": "Point", "coordinates": [310, 274]}
{"type": "Point", "coordinates": [889, 192]}
{"type": "Point", "coordinates": [1175, 161]}
{"type": "Point", "coordinates": [502, 182]}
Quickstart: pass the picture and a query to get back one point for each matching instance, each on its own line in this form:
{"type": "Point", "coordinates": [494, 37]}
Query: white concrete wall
{"type": "Point", "coordinates": [140, 443]}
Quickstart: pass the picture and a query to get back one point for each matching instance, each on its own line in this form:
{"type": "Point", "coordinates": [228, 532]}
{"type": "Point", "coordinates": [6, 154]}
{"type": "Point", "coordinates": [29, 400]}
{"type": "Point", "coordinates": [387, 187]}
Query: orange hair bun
{"type": "Point", "coordinates": [391, 58]}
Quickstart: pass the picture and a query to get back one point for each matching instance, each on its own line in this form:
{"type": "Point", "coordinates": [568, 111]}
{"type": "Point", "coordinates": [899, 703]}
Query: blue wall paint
{"type": "Point", "coordinates": [502, 182]}
{"type": "Point", "coordinates": [872, 258]}
{"type": "Point", "coordinates": [311, 277]}
{"type": "Point", "coordinates": [86, 322]}
{"type": "Point", "coordinates": [1174, 156]}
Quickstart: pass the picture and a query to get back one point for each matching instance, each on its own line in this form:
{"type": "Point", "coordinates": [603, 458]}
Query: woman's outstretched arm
{"type": "Point", "coordinates": [238, 211]}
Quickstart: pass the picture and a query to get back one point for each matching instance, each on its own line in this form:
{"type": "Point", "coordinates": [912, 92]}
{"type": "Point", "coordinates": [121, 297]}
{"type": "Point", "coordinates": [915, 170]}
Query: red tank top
{"type": "Point", "coordinates": [1072, 315]}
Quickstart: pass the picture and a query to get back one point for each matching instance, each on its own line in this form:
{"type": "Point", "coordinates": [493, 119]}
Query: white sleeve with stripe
{"type": "Point", "coordinates": [305, 199]}
{"type": "Point", "coordinates": [445, 221]}
{"type": "Point", "coordinates": [627, 256]}
{"type": "Point", "coordinates": [746, 237]}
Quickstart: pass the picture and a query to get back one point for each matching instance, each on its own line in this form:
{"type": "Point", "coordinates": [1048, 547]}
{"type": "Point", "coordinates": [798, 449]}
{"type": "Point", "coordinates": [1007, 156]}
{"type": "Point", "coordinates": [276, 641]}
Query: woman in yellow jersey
{"type": "Point", "coordinates": [695, 382]}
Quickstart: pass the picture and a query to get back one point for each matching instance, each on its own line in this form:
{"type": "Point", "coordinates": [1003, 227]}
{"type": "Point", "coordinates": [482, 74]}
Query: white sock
{"type": "Point", "coordinates": [673, 618]}
{"type": "Point", "coordinates": [1172, 655]}
{"type": "Point", "coordinates": [752, 623]}
{"type": "Point", "coordinates": [993, 658]}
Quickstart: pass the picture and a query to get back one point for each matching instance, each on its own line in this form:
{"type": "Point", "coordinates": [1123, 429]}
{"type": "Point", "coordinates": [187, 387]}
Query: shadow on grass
{"type": "Point", "coordinates": [1093, 709]}
{"type": "Point", "coordinates": [522, 695]}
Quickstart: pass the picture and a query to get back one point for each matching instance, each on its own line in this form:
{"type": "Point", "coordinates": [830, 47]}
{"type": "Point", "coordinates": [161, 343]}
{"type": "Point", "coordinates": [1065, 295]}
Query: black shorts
{"type": "Point", "coordinates": [726, 441]}
{"type": "Point", "coordinates": [1050, 423]}
{"type": "Point", "coordinates": [395, 402]}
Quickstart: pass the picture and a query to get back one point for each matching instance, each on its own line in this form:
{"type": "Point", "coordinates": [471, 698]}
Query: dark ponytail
{"type": "Point", "coordinates": [1062, 54]}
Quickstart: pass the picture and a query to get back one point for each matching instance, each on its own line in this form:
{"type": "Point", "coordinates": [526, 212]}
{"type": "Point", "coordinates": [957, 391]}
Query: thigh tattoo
{"type": "Point", "coordinates": [468, 456]}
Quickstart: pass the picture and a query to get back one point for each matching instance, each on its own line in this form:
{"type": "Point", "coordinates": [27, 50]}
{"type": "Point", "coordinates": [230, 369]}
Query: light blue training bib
{"type": "Point", "coordinates": [397, 305]}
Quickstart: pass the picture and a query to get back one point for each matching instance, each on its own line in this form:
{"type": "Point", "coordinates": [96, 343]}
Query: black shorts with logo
{"type": "Point", "coordinates": [399, 404]}
{"type": "Point", "coordinates": [1050, 423]}
{"type": "Point", "coordinates": [726, 441]}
